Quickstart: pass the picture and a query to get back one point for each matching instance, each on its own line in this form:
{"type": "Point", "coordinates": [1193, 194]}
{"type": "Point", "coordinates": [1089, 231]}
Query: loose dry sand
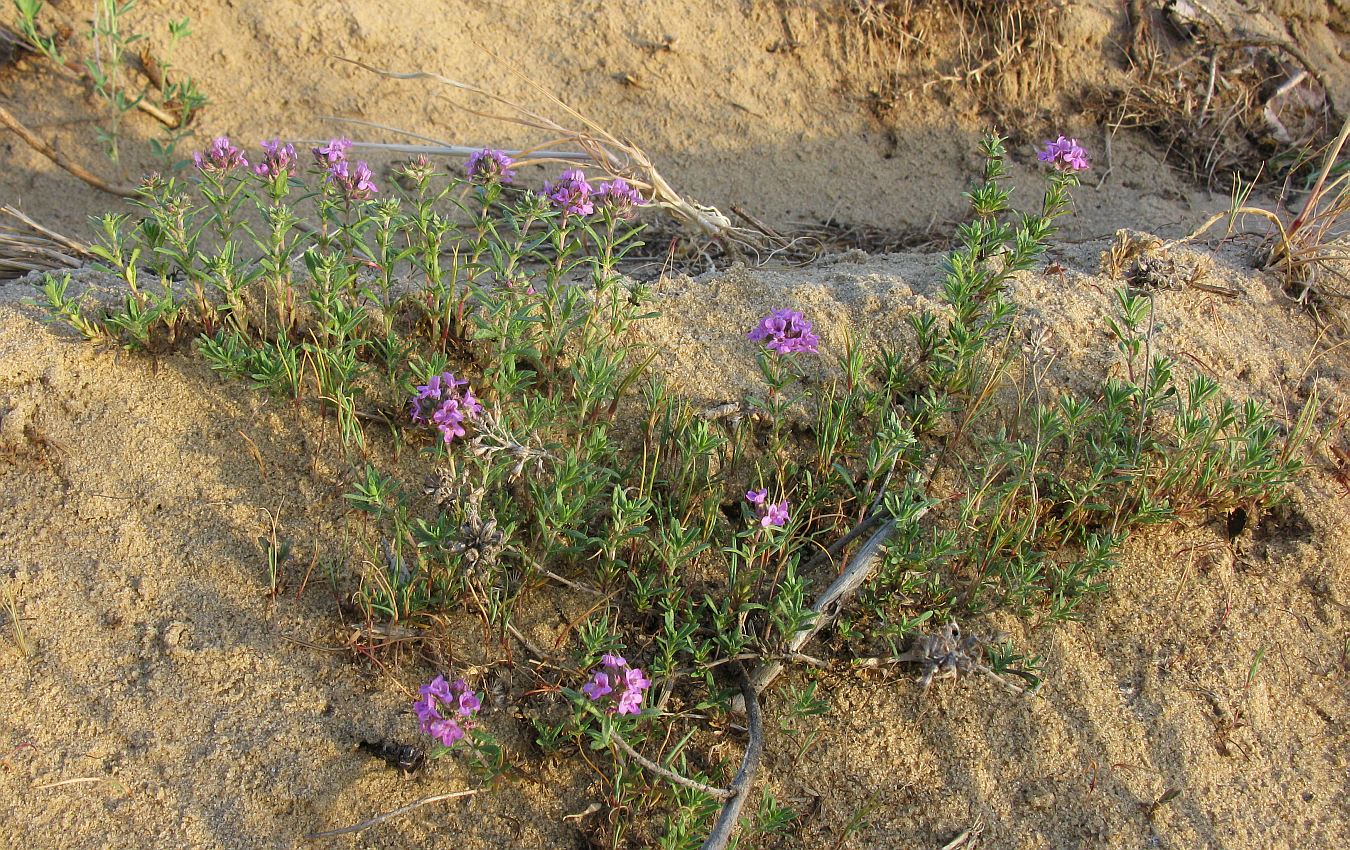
{"type": "Point", "coordinates": [168, 701]}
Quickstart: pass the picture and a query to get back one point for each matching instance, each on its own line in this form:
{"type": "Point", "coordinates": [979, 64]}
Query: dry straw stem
{"type": "Point", "coordinates": [11, 606]}
{"type": "Point", "coordinates": [1304, 248]}
{"type": "Point", "coordinates": [401, 810]}
{"type": "Point", "coordinates": [30, 247]}
{"type": "Point", "coordinates": [614, 156]}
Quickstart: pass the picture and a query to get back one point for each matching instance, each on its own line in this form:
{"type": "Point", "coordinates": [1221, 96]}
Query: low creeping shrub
{"type": "Point", "coordinates": [490, 329]}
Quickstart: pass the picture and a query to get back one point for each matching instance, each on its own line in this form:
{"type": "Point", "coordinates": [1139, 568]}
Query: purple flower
{"type": "Point", "coordinates": [598, 686]}
{"type": "Point", "coordinates": [615, 672]}
{"type": "Point", "coordinates": [570, 194]}
{"type": "Point", "coordinates": [455, 695]}
{"type": "Point", "coordinates": [440, 402]}
{"type": "Point", "coordinates": [356, 182]}
{"type": "Point", "coordinates": [277, 158]}
{"type": "Point", "coordinates": [786, 332]}
{"type": "Point", "coordinates": [469, 703]}
{"type": "Point", "coordinates": [1065, 154]}
{"type": "Point", "coordinates": [769, 514]}
{"type": "Point", "coordinates": [775, 515]}
{"type": "Point", "coordinates": [620, 197]}
{"type": "Point", "coordinates": [489, 166]}
{"type": "Point", "coordinates": [333, 152]}
{"type": "Point", "coordinates": [220, 156]}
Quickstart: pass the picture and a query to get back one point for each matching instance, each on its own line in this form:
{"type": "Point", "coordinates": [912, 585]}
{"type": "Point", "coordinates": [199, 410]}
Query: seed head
{"type": "Point", "coordinates": [489, 166]}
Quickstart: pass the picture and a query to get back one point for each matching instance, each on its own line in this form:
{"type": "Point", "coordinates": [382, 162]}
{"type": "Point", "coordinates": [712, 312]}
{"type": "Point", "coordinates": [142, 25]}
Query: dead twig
{"type": "Point", "coordinates": [7, 118]}
{"type": "Point", "coordinates": [672, 776]}
{"type": "Point", "coordinates": [30, 247]}
{"type": "Point", "coordinates": [740, 786]}
{"type": "Point", "coordinates": [831, 602]}
{"type": "Point", "coordinates": [402, 810]}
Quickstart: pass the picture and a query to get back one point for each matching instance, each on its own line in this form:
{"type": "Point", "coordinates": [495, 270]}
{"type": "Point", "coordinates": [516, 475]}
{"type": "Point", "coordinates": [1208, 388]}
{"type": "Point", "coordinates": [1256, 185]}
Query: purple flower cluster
{"type": "Point", "coordinates": [332, 153]}
{"type": "Point", "coordinates": [614, 675]}
{"type": "Point", "coordinates": [786, 332]}
{"type": "Point", "coordinates": [489, 166]}
{"type": "Point", "coordinates": [221, 156]}
{"type": "Point", "coordinates": [1065, 154]}
{"type": "Point", "coordinates": [770, 513]}
{"type": "Point", "coordinates": [570, 193]}
{"type": "Point", "coordinates": [277, 159]}
{"type": "Point", "coordinates": [620, 197]}
{"type": "Point", "coordinates": [462, 705]}
{"type": "Point", "coordinates": [354, 179]}
{"type": "Point", "coordinates": [439, 402]}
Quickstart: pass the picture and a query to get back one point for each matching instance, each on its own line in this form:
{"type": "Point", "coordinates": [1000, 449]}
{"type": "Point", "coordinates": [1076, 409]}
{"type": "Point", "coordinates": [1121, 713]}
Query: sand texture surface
{"type": "Point", "coordinates": [167, 700]}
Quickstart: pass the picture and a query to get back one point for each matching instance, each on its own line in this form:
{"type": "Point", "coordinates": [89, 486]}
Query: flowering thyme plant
{"type": "Point", "coordinates": [439, 402]}
{"type": "Point", "coordinates": [446, 710]}
{"type": "Point", "coordinates": [220, 156]}
{"type": "Point", "coordinates": [489, 166]}
{"type": "Point", "coordinates": [278, 160]}
{"type": "Point", "coordinates": [586, 472]}
{"type": "Point", "coordinates": [570, 194]}
{"type": "Point", "coordinates": [621, 199]}
{"type": "Point", "coordinates": [785, 332]}
{"type": "Point", "coordinates": [617, 685]}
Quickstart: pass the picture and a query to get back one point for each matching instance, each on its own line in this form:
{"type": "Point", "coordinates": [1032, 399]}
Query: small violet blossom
{"type": "Point", "coordinates": [459, 703]}
{"type": "Point", "coordinates": [355, 181]}
{"type": "Point", "coordinates": [613, 675]}
{"type": "Point", "coordinates": [770, 513]}
{"type": "Point", "coordinates": [489, 166]}
{"type": "Point", "coordinates": [439, 402]}
{"type": "Point", "coordinates": [570, 193]}
{"type": "Point", "coordinates": [332, 153]}
{"type": "Point", "coordinates": [786, 332]}
{"type": "Point", "coordinates": [277, 158]}
{"type": "Point", "coordinates": [620, 197]}
{"type": "Point", "coordinates": [1065, 154]}
{"type": "Point", "coordinates": [220, 156]}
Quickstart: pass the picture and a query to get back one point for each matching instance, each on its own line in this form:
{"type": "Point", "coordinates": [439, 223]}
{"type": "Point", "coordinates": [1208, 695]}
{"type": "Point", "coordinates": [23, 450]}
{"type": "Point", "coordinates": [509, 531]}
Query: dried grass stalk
{"type": "Point", "coordinates": [596, 145]}
{"type": "Point", "coordinates": [30, 247]}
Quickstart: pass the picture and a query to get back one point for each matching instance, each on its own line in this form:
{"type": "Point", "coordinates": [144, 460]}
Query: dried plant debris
{"type": "Point", "coordinates": [950, 654]}
{"type": "Point", "coordinates": [945, 655]}
{"type": "Point", "coordinates": [481, 540]}
{"type": "Point", "coordinates": [1149, 264]}
{"type": "Point", "coordinates": [1223, 89]}
{"type": "Point", "coordinates": [999, 53]}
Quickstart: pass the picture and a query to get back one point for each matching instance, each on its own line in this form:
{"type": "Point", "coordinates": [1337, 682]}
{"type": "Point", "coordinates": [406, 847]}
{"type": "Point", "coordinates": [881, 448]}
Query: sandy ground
{"type": "Point", "coordinates": [759, 105]}
{"type": "Point", "coordinates": [161, 668]}
{"type": "Point", "coordinates": [169, 701]}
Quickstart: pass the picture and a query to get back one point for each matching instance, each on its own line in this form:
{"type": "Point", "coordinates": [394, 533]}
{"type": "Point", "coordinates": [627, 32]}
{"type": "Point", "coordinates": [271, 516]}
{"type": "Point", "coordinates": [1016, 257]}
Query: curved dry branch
{"type": "Point", "coordinates": [33, 141]}
{"type": "Point", "coordinates": [726, 822]}
{"type": "Point", "coordinates": [668, 774]}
